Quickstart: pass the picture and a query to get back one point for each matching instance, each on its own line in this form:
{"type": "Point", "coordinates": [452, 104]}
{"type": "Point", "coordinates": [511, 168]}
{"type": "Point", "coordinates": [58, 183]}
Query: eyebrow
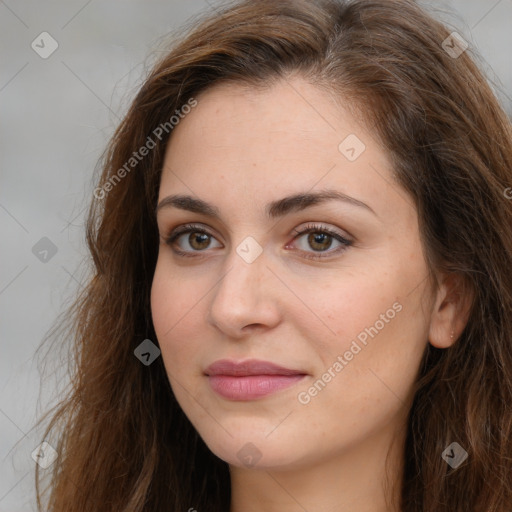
{"type": "Point", "coordinates": [274, 209]}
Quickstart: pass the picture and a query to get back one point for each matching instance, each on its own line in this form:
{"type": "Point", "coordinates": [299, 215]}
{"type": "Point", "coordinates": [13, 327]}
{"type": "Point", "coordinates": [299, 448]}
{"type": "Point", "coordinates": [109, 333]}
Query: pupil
{"type": "Point", "coordinates": [195, 238]}
{"type": "Point", "coordinates": [316, 238]}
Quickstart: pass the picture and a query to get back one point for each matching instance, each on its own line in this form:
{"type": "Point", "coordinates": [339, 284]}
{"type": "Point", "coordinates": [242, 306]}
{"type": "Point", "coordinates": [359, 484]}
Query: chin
{"type": "Point", "coordinates": [253, 452]}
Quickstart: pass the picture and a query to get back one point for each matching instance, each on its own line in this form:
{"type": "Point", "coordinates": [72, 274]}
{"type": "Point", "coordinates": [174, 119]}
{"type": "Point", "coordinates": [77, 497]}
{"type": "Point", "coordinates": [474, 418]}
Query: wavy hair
{"type": "Point", "coordinates": [124, 443]}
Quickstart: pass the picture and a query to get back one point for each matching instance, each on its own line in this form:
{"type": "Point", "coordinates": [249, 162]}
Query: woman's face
{"type": "Point", "coordinates": [351, 319]}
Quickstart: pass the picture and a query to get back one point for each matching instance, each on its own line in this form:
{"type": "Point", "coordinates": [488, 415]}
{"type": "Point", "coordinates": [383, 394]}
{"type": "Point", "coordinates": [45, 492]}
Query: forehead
{"type": "Point", "coordinates": [286, 114]}
{"type": "Point", "coordinates": [240, 145]}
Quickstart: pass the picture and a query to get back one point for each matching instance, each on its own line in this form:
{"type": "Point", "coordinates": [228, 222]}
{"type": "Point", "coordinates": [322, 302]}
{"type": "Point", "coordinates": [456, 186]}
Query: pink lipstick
{"type": "Point", "coordinates": [251, 379]}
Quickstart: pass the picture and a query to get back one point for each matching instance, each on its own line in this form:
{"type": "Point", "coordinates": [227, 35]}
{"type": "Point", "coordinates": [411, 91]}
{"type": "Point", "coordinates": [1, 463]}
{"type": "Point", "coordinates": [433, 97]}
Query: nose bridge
{"type": "Point", "coordinates": [241, 296]}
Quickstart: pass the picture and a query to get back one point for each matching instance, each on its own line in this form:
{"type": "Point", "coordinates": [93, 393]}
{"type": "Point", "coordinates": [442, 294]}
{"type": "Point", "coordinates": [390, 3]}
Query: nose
{"type": "Point", "coordinates": [245, 298]}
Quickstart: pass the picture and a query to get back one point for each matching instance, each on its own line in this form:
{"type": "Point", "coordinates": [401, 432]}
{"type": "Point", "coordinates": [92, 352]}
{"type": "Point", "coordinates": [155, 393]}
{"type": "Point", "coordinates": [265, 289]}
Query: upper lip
{"type": "Point", "coordinates": [248, 367]}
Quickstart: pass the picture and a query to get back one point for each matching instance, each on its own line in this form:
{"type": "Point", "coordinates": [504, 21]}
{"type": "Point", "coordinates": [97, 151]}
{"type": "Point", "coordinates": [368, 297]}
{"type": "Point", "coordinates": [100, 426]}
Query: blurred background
{"type": "Point", "coordinates": [68, 72]}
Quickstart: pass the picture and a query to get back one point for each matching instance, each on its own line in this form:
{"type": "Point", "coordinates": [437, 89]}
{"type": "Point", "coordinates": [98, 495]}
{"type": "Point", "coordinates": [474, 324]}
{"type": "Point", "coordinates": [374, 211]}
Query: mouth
{"type": "Point", "coordinates": [249, 380]}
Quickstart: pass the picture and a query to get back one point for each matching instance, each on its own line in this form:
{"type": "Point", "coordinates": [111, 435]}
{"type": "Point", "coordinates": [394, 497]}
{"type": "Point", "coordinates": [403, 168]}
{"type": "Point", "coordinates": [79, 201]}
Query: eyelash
{"type": "Point", "coordinates": [310, 228]}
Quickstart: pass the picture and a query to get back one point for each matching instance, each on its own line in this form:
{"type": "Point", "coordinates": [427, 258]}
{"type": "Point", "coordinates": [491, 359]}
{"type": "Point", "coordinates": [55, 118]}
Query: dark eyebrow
{"type": "Point", "coordinates": [273, 210]}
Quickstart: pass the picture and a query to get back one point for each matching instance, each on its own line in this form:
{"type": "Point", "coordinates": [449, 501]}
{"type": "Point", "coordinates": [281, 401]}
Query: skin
{"type": "Point", "coordinates": [239, 149]}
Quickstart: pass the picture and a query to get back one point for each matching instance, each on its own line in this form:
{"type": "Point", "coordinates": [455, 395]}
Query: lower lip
{"type": "Point", "coordinates": [251, 386]}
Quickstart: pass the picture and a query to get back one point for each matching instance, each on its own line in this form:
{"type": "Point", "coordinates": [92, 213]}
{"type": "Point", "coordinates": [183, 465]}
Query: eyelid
{"type": "Point", "coordinates": [312, 227]}
{"type": "Point", "coordinates": [185, 228]}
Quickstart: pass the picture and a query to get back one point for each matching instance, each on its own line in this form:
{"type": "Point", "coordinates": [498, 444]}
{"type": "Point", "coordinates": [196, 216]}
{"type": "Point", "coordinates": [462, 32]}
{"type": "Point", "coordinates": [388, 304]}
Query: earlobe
{"type": "Point", "coordinates": [450, 311]}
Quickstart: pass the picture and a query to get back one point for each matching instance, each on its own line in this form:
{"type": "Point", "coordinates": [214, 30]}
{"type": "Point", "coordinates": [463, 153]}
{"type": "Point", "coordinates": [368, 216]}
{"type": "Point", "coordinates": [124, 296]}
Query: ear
{"type": "Point", "coordinates": [450, 312]}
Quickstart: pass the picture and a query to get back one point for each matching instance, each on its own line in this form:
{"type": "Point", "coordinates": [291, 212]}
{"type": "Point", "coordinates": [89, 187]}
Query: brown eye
{"type": "Point", "coordinates": [198, 239]}
{"type": "Point", "coordinates": [320, 239]}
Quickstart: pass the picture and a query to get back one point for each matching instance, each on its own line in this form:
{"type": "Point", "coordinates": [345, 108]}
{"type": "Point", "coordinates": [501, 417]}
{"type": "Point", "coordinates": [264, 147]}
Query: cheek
{"type": "Point", "coordinates": [373, 321]}
{"type": "Point", "coordinates": [162, 297]}
{"type": "Point", "coordinates": [334, 309]}
{"type": "Point", "coordinates": [178, 305]}
{"type": "Point", "coordinates": [177, 308]}
{"type": "Point", "coordinates": [374, 357]}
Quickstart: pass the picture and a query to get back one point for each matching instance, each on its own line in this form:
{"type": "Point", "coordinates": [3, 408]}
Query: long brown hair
{"type": "Point", "coordinates": [124, 443]}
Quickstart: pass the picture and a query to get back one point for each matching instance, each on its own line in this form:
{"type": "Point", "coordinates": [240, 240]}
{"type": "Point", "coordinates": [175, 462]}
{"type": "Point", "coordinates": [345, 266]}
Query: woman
{"type": "Point", "coordinates": [301, 296]}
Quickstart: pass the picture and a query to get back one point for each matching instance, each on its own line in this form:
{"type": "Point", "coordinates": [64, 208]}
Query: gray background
{"type": "Point", "coordinates": [56, 117]}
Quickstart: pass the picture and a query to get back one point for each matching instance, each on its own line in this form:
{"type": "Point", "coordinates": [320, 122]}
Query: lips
{"type": "Point", "coordinates": [249, 380]}
{"type": "Point", "coordinates": [250, 367]}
